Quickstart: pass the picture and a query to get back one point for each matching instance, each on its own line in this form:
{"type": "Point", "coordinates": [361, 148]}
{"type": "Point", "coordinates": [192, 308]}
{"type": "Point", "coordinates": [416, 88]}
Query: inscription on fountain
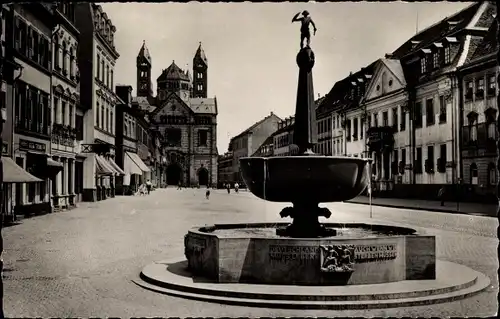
{"type": "Point", "coordinates": [281, 253]}
{"type": "Point", "coordinates": [375, 252]}
{"type": "Point", "coordinates": [361, 253]}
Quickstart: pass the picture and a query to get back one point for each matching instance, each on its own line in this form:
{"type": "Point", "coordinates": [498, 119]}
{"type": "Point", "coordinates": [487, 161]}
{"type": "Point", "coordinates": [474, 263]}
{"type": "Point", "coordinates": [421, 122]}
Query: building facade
{"type": "Point", "coordinates": [247, 142]}
{"type": "Point", "coordinates": [224, 169]}
{"type": "Point", "coordinates": [31, 35]}
{"type": "Point", "coordinates": [131, 139]}
{"type": "Point", "coordinates": [283, 138]}
{"type": "Point", "coordinates": [478, 114]}
{"type": "Point", "coordinates": [184, 120]}
{"type": "Point", "coordinates": [97, 56]}
{"type": "Point", "coordinates": [65, 102]}
{"type": "Point", "coordinates": [402, 110]}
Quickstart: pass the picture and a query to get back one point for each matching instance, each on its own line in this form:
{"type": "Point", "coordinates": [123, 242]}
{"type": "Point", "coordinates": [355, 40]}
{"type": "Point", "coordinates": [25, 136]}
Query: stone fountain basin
{"type": "Point", "coordinates": [320, 179]}
{"type": "Point", "coordinates": [231, 253]}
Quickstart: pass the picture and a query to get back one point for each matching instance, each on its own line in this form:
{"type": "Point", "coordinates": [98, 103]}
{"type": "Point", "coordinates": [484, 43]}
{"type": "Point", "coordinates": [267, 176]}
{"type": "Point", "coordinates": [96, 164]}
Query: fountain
{"type": "Point", "coordinates": [337, 265]}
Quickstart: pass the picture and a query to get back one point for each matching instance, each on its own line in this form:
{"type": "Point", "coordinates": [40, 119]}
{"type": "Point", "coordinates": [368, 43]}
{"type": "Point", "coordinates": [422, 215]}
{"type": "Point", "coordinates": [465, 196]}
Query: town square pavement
{"type": "Point", "coordinates": [81, 263]}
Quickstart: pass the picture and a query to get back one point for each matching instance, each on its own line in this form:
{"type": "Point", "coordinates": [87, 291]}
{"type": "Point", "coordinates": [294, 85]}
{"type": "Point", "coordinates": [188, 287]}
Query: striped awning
{"type": "Point", "coordinates": [13, 173]}
{"type": "Point", "coordinates": [115, 166]}
{"type": "Point", "coordinates": [103, 168]}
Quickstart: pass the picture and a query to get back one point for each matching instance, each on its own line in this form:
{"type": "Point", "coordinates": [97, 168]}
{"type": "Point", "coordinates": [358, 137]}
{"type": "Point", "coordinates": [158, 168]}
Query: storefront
{"type": "Point", "coordinates": [106, 171]}
{"type": "Point", "coordinates": [34, 198]}
{"type": "Point", "coordinates": [134, 169]}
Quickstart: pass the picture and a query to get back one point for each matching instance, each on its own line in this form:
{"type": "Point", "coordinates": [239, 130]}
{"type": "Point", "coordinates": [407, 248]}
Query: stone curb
{"type": "Point", "coordinates": [431, 209]}
{"type": "Point", "coordinates": [340, 301]}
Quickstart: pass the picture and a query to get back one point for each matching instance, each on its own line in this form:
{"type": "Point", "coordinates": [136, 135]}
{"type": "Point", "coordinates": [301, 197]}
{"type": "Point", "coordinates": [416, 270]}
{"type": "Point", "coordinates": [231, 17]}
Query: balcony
{"type": "Point", "coordinates": [481, 139]}
{"type": "Point", "coordinates": [380, 138]}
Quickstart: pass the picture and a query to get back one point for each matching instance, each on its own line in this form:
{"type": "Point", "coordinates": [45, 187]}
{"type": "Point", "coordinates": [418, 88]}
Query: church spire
{"type": "Point", "coordinates": [144, 53]}
{"type": "Point", "coordinates": [200, 54]}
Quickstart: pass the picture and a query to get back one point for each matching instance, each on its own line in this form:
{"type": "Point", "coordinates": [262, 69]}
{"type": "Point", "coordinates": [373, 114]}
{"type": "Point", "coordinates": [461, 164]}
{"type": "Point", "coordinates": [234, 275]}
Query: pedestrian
{"type": "Point", "coordinates": [207, 193]}
{"type": "Point", "coordinates": [148, 186]}
{"type": "Point", "coordinates": [236, 187]}
{"type": "Point", "coordinates": [228, 187]}
{"type": "Point", "coordinates": [441, 195]}
{"type": "Point", "coordinates": [179, 186]}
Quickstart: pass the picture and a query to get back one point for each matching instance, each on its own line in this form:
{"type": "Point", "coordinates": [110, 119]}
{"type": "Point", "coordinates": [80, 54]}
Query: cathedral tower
{"type": "Point", "coordinates": [143, 64]}
{"type": "Point", "coordinates": [200, 67]}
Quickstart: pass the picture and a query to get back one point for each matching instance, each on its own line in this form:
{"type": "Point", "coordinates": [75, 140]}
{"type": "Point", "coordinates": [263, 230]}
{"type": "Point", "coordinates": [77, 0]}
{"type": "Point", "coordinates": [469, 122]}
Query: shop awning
{"type": "Point", "coordinates": [102, 168]}
{"type": "Point", "coordinates": [13, 173]}
{"type": "Point", "coordinates": [130, 166]}
{"type": "Point", "coordinates": [137, 160]}
{"type": "Point", "coordinates": [115, 166]}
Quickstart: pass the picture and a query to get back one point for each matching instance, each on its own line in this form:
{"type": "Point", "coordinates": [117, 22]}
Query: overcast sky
{"type": "Point", "coordinates": [251, 47]}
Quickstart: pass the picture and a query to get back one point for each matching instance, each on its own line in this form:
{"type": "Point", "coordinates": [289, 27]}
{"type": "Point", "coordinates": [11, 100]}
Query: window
{"type": "Point", "coordinates": [423, 65]}
{"type": "Point", "coordinates": [64, 64]}
{"type": "Point", "coordinates": [98, 72]}
{"type": "Point", "coordinates": [107, 120]}
{"type": "Point", "coordinates": [472, 117]}
{"type": "Point", "coordinates": [102, 70]}
{"type": "Point", "coordinates": [173, 137]}
{"type": "Point", "coordinates": [403, 156]}
{"type": "Point", "coordinates": [107, 75]}
{"type": "Point", "coordinates": [447, 55]}
{"type": "Point", "coordinates": [375, 119]}
{"type": "Point", "coordinates": [492, 85]}
{"type": "Point", "coordinates": [111, 81]}
{"type": "Point", "coordinates": [403, 119]}
{"type": "Point", "coordinates": [429, 163]}
{"type": "Point", "coordinates": [429, 112]}
{"type": "Point", "coordinates": [56, 110]}
{"type": "Point", "coordinates": [418, 161]}
{"type": "Point", "coordinates": [30, 43]}
{"type": "Point", "coordinates": [442, 109]}
{"type": "Point", "coordinates": [202, 138]}
{"type": "Point", "coordinates": [385, 118]}
{"type": "Point", "coordinates": [490, 115]}
{"type": "Point", "coordinates": [71, 62]}
{"type": "Point", "coordinates": [111, 120]}
{"type": "Point", "coordinates": [418, 115]}
{"type": "Point", "coordinates": [435, 59]}
{"type": "Point", "coordinates": [79, 127]}
{"type": "Point", "coordinates": [348, 130]}
{"type": "Point", "coordinates": [492, 174]}
{"type": "Point", "coordinates": [97, 112]}
{"type": "Point", "coordinates": [102, 116]}
{"type": "Point", "coordinates": [355, 129]}
{"type": "Point", "coordinates": [70, 122]}
{"type": "Point", "coordinates": [395, 119]}
{"type": "Point", "coordinates": [468, 90]}
{"type": "Point", "coordinates": [63, 113]}
{"type": "Point", "coordinates": [480, 88]}
{"type": "Point", "coordinates": [442, 159]}
{"type": "Point", "coordinates": [125, 127]}
{"type": "Point", "coordinates": [473, 174]}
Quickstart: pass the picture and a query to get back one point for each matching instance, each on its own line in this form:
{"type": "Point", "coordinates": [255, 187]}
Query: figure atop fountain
{"type": "Point", "coordinates": [304, 29]}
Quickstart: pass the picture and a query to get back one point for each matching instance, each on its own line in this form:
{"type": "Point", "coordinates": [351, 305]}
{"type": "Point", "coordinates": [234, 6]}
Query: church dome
{"type": "Point", "coordinates": [173, 72]}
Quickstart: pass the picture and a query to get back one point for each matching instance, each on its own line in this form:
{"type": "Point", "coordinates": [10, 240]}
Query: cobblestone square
{"type": "Point", "coordinates": [82, 262]}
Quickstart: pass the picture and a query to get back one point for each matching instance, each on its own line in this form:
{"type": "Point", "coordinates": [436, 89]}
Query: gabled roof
{"type": "Point", "coordinates": [171, 96]}
{"type": "Point", "coordinates": [173, 72]}
{"type": "Point", "coordinates": [248, 130]}
{"type": "Point", "coordinates": [200, 53]}
{"type": "Point", "coordinates": [488, 45]}
{"type": "Point", "coordinates": [143, 103]}
{"type": "Point", "coordinates": [203, 105]}
{"type": "Point", "coordinates": [438, 31]}
{"type": "Point", "coordinates": [144, 53]}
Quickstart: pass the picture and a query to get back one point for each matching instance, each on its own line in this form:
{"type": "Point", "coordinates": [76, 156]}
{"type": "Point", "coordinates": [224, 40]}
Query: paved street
{"type": "Point", "coordinates": [81, 262]}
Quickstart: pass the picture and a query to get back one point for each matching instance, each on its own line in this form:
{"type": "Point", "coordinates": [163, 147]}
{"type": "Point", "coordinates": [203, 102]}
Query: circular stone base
{"type": "Point", "coordinates": [454, 282]}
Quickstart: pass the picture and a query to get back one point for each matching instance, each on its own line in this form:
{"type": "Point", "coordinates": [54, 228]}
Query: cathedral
{"type": "Point", "coordinates": [184, 116]}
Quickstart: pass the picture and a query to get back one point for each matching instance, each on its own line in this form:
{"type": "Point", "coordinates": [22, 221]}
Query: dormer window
{"type": "Point", "coordinates": [435, 59]}
{"type": "Point", "coordinates": [423, 65]}
{"type": "Point", "coordinates": [447, 55]}
{"type": "Point", "coordinates": [414, 44]}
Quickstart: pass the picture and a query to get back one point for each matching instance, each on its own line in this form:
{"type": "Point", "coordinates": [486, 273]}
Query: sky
{"type": "Point", "coordinates": [251, 47]}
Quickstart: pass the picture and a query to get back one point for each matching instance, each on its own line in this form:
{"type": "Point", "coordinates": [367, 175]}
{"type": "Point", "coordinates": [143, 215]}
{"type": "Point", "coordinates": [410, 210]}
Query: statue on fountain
{"type": "Point", "coordinates": [304, 29]}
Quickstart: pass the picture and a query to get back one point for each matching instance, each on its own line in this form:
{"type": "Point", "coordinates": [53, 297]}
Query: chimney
{"type": "Point", "coordinates": [388, 55]}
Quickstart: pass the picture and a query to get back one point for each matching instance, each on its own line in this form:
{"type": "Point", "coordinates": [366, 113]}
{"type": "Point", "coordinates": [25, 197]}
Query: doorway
{"type": "Point", "coordinates": [174, 174]}
{"type": "Point", "coordinates": [203, 176]}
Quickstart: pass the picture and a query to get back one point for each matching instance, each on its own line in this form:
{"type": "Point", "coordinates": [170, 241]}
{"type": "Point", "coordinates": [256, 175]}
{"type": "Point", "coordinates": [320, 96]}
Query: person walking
{"type": "Point", "coordinates": [207, 193]}
{"type": "Point", "coordinates": [228, 187]}
{"type": "Point", "coordinates": [148, 186]}
{"type": "Point", "coordinates": [441, 194]}
{"type": "Point", "coordinates": [236, 187]}
{"type": "Point", "coordinates": [180, 185]}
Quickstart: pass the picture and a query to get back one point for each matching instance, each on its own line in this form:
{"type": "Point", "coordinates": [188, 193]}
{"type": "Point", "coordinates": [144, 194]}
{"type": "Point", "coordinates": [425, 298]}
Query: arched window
{"type": "Point", "coordinates": [64, 64]}
{"type": "Point", "coordinates": [472, 117]}
{"type": "Point", "coordinates": [56, 52]}
{"type": "Point", "coordinates": [71, 62]}
{"type": "Point", "coordinates": [492, 174]}
{"type": "Point", "coordinates": [490, 114]}
{"type": "Point", "coordinates": [474, 180]}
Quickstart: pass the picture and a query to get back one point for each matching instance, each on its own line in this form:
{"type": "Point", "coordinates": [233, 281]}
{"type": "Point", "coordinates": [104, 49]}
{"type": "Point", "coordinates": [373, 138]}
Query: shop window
{"type": "Point", "coordinates": [492, 174]}
{"type": "Point", "coordinates": [474, 180]}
